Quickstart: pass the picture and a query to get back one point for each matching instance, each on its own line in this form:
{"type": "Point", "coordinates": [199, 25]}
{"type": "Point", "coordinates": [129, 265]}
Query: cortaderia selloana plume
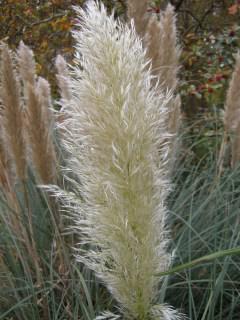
{"type": "Point", "coordinates": [114, 134]}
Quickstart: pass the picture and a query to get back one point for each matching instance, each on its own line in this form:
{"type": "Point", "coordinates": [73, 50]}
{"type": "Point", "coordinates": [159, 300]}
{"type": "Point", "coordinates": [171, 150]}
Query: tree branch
{"type": "Point", "coordinates": [177, 4]}
{"type": "Point", "coordinates": [36, 23]}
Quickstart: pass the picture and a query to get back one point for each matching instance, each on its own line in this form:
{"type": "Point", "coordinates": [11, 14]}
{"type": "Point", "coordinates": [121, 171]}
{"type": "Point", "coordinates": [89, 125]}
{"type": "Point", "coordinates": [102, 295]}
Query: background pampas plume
{"type": "Point", "coordinates": [137, 10]}
{"type": "Point", "coordinates": [232, 108]}
{"type": "Point", "coordinates": [4, 163]}
{"type": "Point", "coordinates": [232, 114]}
{"type": "Point", "coordinates": [26, 63]}
{"type": "Point", "coordinates": [4, 168]}
{"type": "Point", "coordinates": [38, 117]}
{"type": "Point", "coordinates": [115, 136]}
{"type": "Point", "coordinates": [63, 77]}
{"type": "Point", "coordinates": [6, 179]}
{"type": "Point", "coordinates": [12, 115]}
{"type": "Point", "coordinates": [159, 36]}
{"type": "Point", "coordinates": [231, 142]}
{"type": "Point", "coordinates": [236, 147]}
{"type": "Point", "coordinates": [163, 50]}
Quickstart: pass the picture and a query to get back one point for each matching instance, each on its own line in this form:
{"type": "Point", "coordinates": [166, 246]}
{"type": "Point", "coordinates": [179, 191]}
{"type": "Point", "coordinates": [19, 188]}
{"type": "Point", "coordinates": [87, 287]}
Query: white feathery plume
{"type": "Point", "coordinates": [115, 137]}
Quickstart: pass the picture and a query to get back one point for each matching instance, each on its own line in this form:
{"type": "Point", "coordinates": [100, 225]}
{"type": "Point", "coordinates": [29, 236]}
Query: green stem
{"type": "Point", "coordinates": [204, 259]}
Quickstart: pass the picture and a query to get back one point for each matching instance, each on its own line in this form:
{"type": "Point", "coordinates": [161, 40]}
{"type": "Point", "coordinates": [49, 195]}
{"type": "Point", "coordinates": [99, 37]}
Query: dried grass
{"type": "Point", "coordinates": [164, 52]}
{"type": "Point", "coordinates": [43, 156]}
{"type": "Point", "coordinates": [38, 117]}
{"type": "Point", "coordinates": [169, 50]}
{"type": "Point", "coordinates": [230, 147]}
{"type": "Point", "coordinates": [63, 78]}
{"type": "Point", "coordinates": [232, 105]}
{"type": "Point", "coordinates": [12, 115]}
{"type": "Point", "coordinates": [137, 10]}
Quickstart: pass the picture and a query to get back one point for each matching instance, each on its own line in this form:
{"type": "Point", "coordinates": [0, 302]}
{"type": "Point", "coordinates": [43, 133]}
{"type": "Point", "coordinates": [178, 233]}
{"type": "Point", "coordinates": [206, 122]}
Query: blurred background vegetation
{"type": "Point", "coordinates": [209, 34]}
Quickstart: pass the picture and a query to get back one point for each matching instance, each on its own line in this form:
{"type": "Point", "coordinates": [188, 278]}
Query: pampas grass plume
{"type": "Point", "coordinates": [26, 63]}
{"type": "Point", "coordinates": [232, 116]}
{"type": "Point", "coordinates": [236, 147]}
{"type": "Point", "coordinates": [38, 117]}
{"type": "Point", "coordinates": [115, 136]}
{"type": "Point", "coordinates": [232, 108]}
{"type": "Point", "coordinates": [137, 10]}
{"type": "Point", "coordinates": [231, 121]}
{"type": "Point", "coordinates": [169, 50]}
{"type": "Point", "coordinates": [160, 40]}
{"type": "Point", "coordinates": [12, 115]}
{"type": "Point", "coordinates": [63, 77]}
{"type": "Point", "coordinates": [164, 52]}
{"type": "Point", "coordinates": [163, 49]}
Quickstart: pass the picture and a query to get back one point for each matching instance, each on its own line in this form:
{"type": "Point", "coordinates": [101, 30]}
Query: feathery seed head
{"type": "Point", "coordinates": [38, 129]}
{"type": "Point", "coordinates": [12, 114]}
{"type": "Point", "coordinates": [169, 50]}
{"type": "Point", "coordinates": [116, 140]}
{"type": "Point", "coordinates": [232, 107]}
{"type": "Point", "coordinates": [231, 119]}
{"type": "Point", "coordinates": [44, 93]}
{"type": "Point", "coordinates": [137, 10]}
{"type": "Point", "coordinates": [26, 63]}
{"type": "Point", "coordinates": [39, 120]}
{"type": "Point", "coordinates": [63, 77]}
{"type": "Point", "coordinates": [152, 43]}
{"type": "Point", "coordinates": [164, 52]}
{"type": "Point", "coordinates": [236, 147]}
